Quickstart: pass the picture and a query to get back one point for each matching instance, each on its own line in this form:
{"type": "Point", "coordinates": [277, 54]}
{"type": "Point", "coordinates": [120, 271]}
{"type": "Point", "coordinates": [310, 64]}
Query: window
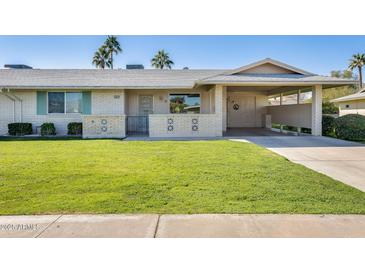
{"type": "Point", "coordinates": [73, 102]}
{"type": "Point", "coordinates": [184, 103]}
{"type": "Point", "coordinates": [56, 102]}
{"type": "Point", "coordinates": [64, 102]}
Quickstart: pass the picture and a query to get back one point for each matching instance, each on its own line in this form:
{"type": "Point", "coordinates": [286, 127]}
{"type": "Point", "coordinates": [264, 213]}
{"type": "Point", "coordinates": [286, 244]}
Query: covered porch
{"type": "Point", "coordinates": [269, 110]}
{"type": "Point", "coordinates": [224, 110]}
{"type": "Point", "coordinates": [213, 111]}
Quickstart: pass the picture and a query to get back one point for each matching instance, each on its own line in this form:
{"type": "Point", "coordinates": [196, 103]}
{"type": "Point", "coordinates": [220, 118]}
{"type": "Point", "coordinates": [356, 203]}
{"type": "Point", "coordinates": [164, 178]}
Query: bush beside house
{"type": "Point", "coordinates": [328, 126]}
{"type": "Point", "coordinates": [74, 128]}
{"type": "Point", "coordinates": [329, 108]}
{"type": "Point", "coordinates": [350, 127]}
{"type": "Point", "coordinates": [48, 129]}
{"type": "Point", "coordinates": [20, 129]}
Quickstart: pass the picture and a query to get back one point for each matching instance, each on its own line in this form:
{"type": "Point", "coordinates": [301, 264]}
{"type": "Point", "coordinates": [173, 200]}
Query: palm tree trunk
{"type": "Point", "coordinates": [360, 76]}
{"type": "Point", "coordinates": [111, 60]}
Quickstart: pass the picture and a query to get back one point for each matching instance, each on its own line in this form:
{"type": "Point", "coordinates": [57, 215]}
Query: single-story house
{"type": "Point", "coordinates": [351, 104]}
{"type": "Point", "coordinates": [164, 103]}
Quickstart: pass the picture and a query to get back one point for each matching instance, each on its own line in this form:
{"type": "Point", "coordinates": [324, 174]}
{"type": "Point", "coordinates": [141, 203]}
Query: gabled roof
{"type": "Point", "coordinates": [271, 62]}
{"type": "Point", "coordinates": [163, 79]}
{"type": "Point", "coordinates": [274, 78]}
{"type": "Point", "coordinates": [263, 72]}
{"type": "Point", "coordinates": [97, 78]}
{"type": "Point", "coordinates": [360, 95]}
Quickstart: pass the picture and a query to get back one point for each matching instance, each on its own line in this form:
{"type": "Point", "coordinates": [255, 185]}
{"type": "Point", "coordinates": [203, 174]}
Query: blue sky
{"type": "Point", "coordinates": [318, 54]}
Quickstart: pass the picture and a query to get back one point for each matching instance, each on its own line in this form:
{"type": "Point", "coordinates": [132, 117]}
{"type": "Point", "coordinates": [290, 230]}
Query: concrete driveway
{"type": "Point", "coordinates": [341, 160]}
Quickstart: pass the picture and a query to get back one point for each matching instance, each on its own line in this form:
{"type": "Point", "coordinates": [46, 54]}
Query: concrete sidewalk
{"type": "Point", "coordinates": [180, 226]}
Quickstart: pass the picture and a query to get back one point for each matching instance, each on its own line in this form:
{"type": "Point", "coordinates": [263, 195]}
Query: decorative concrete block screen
{"type": "Point", "coordinates": [297, 115]}
{"type": "Point", "coordinates": [103, 126]}
{"type": "Point", "coordinates": [182, 125]}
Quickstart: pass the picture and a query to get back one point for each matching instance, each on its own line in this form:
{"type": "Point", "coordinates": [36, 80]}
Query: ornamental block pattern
{"type": "Point", "coordinates": [182, 125]}
{"type": "Point", "coordinates": [103, 126]}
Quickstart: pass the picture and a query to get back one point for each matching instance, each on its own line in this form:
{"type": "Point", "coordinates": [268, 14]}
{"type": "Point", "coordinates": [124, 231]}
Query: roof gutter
{"type": "Point", "coordinates": [270, 83]}
{"type": "Point", "coordinates": [95, 87]}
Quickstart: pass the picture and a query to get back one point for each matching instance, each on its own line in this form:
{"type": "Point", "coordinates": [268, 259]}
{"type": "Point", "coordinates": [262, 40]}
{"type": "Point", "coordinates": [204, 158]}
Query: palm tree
{"type": "Point", "coordinates": [101, 58]}
{"type": "Point", "coordinates": [112, 46]}
{"type": "Point", "coordinates": [162, 60]}
{"type": "Point", "coordinates": [357, 61]}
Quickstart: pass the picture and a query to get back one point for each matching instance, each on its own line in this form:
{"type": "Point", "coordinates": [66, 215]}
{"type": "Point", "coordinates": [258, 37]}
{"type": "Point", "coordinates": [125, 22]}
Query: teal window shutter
{"type": "Point", "coordinates": [41, 102]}
{"type": "Point", "coordinates": [86, 102]}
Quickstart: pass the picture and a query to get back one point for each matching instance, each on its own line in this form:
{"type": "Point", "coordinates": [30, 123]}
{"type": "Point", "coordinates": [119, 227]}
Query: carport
{"type": "Point", "coordinates": [269, 94]}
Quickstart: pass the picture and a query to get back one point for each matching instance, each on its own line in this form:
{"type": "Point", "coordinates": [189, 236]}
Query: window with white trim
{"type": "Point", "coordinates": [64, 102]}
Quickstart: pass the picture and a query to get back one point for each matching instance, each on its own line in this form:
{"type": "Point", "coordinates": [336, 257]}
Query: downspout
{"type": "Point", "coordinates": [21, 106]}
{"type": "Point", "coordinates": [12, 99]}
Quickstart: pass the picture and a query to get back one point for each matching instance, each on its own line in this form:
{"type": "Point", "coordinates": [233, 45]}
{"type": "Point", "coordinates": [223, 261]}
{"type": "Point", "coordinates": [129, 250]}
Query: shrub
{"type": "Point", "coordinates": [350, 127]}
{"type": "Point", "coordinates": [20, 129]}
{"type": "Point", "coordinates": [328, 125]}
{"type": "Point", "coordinates": [329, 108]}
{"type": "Point", "coordinates": [48, 129]}
{"type": "Point", "coordinates": [74, 128]}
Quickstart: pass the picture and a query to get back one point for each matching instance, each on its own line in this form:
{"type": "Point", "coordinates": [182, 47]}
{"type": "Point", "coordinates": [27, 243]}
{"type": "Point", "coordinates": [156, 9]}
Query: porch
{"type": "Point", "coordinates": [214, 111]}
{"type": "Point", "coordinates": [227, 111]}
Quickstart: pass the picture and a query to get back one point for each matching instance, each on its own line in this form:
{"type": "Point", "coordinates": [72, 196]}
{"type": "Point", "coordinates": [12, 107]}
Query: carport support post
{"type": "Point", "coordinates": [218, 101]}
{"type": "Point", "coordinates": [317, 110]}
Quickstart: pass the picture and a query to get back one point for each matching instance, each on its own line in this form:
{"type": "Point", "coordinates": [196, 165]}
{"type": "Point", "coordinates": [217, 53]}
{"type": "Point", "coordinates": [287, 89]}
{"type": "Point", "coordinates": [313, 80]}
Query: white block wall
{"type": "Point", "coordinates": [30, 114]}
{"type": "Point", "coordinates": [103, 126]}
{"type": "Point", "coordinates": [107, 102]}
{"type": "Point", "coordinates": [181, 125]}
{"type": "Point", "coordinates": [291, 115]}
{"type": "Point", "coordinates": [103, 102]}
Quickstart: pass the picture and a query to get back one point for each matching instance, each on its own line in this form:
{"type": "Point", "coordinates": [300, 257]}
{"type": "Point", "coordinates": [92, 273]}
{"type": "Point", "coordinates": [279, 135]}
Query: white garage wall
{"type": "Point", "coordinates": [291, 115]}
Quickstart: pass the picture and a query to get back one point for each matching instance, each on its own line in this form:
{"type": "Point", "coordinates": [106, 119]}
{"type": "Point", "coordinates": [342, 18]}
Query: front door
{"type": "Point", "coordinates": [138, 125]}
{"type": "Point", "coordinates": [145, 105]}
{"type": "Point", "coordinates": [241, 111]}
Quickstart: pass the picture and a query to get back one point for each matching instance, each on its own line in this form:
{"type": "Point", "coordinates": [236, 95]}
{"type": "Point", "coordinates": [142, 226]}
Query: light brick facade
{"type": "Point", "coordinates": [29, 114]}
{"type": "Point", "coordinates": [114, 106]}
{"type": "Point", "coordinates": [103, 126]}
{"type": "Point", "coordinates": [183, 125]}
{"type": "Point", "coordinates": [103, 102]}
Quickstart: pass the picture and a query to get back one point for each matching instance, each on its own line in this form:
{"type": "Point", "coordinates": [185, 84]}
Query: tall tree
{"type": "Point", "coordinates": [357, 61]}
{"type": "Point", "coordinates": [162, 60]}
{"type": "Point", "coordinates": [112, 46]}
{"type": "Point", "coordinates": [345, 74]}
{"type": "Point", "coordinates": [101, 58]}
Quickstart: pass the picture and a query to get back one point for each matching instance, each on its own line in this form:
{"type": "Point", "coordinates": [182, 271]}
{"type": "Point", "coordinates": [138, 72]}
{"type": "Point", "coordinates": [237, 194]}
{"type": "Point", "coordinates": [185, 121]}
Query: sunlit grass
{"type": "Point", "coordinates": [113, 176]}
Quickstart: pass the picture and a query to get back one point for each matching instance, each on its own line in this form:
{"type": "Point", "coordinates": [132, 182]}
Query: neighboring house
{"type": "Point", "coordinates": [351, 104]}
{"type": "Point", "coordinates": [163, 103]}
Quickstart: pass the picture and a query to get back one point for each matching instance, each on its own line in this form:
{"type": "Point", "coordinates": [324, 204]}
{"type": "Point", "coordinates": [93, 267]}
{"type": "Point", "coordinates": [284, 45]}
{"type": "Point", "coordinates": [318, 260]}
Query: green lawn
{"type": "Point", "coordinates": [112, 176]}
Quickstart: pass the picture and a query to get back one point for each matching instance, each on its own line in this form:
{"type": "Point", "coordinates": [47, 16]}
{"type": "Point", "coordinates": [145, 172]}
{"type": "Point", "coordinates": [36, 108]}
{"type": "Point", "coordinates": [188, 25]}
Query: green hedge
{"type": "Point", "coordinates": [350, 127]}
{"type": "Point", "coordinates": [48, 129]}
{"type": "Point", "coordinates": [20, 129]}
{"type": "Point", "coordinates": [329, 108]}
{"type": "Point", "coordinates": [328, 125]}
{"type": "Point", "coordinates": [74, 128]}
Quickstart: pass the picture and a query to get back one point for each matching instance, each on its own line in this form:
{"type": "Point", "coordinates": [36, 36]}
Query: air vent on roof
{"type": "Point", "coordinates": [134, 67]}
{"type": "Point", "coordinates": [17, 66]}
